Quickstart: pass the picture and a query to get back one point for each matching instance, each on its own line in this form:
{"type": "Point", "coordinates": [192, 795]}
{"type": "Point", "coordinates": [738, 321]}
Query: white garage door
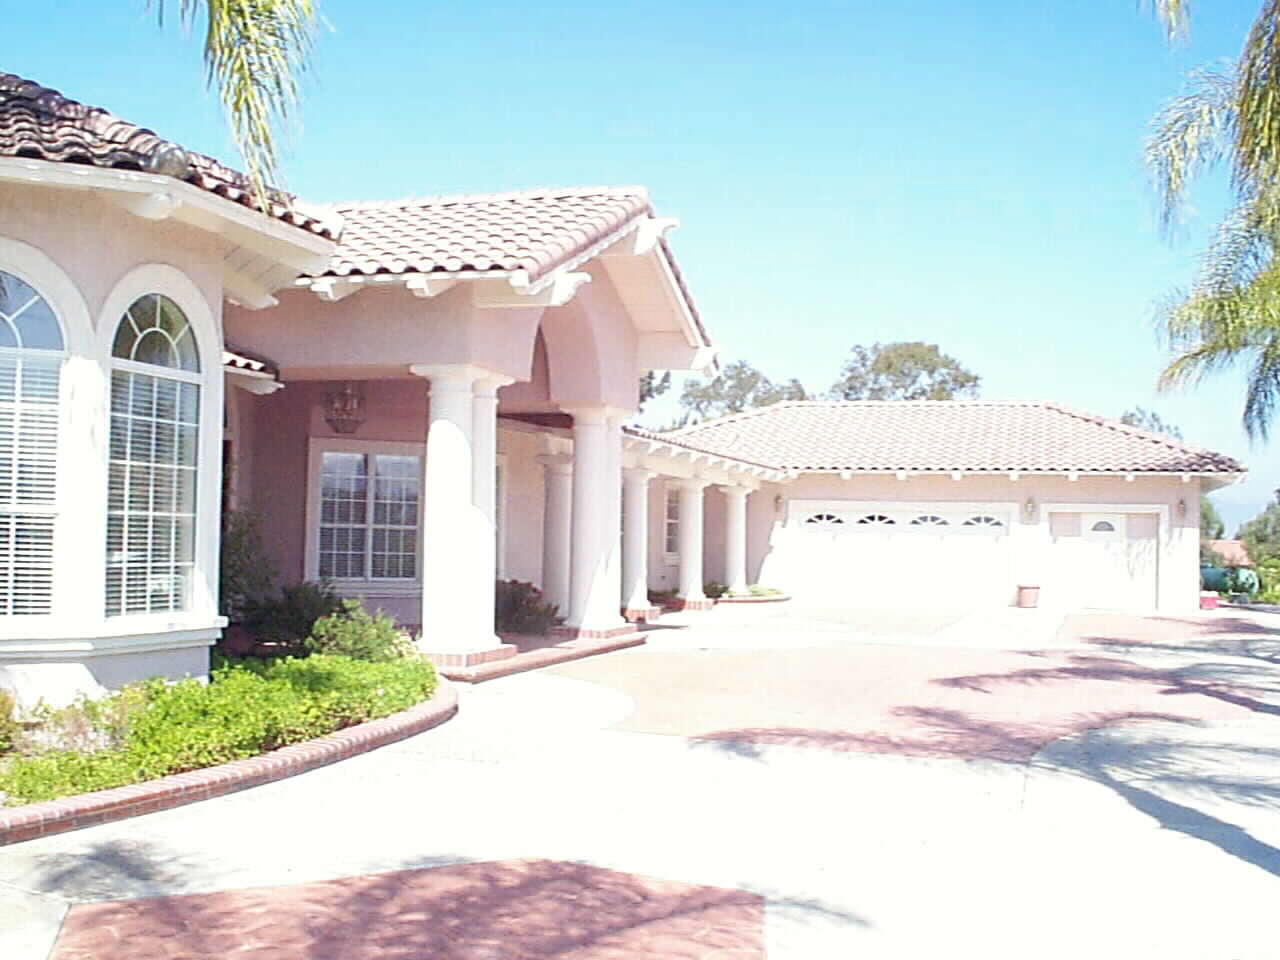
{"type": "Point", "coordinates": [843, 554]}
{"type": "Point", "coordinates": [1106, 561]}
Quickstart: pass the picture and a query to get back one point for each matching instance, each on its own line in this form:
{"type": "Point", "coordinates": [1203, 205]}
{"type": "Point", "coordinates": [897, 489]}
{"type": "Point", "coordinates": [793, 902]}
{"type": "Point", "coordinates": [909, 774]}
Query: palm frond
{"type": "Point", "coordinates": [1256, 148]}
{"type": "Point", "coordinates": [1263, 393]}
{"type": "Point", "coordinates": [1190, 134]}
{"type": "Point", "coordinates": [1172, 15]}
{"type": "Point", "coordinates": [254, 53]}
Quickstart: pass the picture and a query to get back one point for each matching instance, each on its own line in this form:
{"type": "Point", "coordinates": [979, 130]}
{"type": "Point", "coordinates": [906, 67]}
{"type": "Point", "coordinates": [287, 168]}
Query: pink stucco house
{"type": "Point", "coordinates": [419, 396]}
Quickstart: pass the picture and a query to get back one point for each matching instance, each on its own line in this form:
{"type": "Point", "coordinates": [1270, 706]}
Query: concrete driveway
{"type": "Point", "coordinates": [781, 785]}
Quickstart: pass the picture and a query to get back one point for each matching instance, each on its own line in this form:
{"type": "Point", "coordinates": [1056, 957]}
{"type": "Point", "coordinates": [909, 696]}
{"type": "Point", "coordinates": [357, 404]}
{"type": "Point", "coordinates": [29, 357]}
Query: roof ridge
{"type": "Point", "coordinates": [1119, 426]}
{"type": "Point", "coordinates": [531, 193]}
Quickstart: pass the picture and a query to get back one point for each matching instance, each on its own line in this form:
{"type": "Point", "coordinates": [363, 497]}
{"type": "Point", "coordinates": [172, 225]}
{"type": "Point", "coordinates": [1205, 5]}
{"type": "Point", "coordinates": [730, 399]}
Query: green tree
{"type": "Point", "coordinates": [1149, 420]}
{"type": "Point", "coordinates": [254, 53]}
{"type": "Point", "coordinates": [1211, 525]}
{"type": "Point", "coordinates": [739, 386]}
{"type": "Point", "coordinates": [652, 385]}
{"type": "Point", "coordinates": [903, 371]}
{"type": "Point", "coordinates": [1231, 311]}
{"type": "Point", "coordinates": [1261, 535]}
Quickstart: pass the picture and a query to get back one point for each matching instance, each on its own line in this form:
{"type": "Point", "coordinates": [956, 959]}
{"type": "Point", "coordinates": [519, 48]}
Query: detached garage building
{"type": "Point", "coordinates": [958, 503]}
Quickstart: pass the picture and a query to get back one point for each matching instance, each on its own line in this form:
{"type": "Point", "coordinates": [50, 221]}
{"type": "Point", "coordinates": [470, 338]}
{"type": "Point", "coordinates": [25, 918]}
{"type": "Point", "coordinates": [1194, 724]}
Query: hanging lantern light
{"type": "Point", "coordinates": [344, 410]}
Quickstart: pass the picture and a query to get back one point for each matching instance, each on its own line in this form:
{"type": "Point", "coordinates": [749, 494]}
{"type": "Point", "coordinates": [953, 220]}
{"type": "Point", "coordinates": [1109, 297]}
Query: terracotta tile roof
{"type": "Point", "coordinates": [944, 436]}
{"type": "Point", "coordinates": [673, 440]}
{"type": "Point", "coordinates": [42, 124]}
{"type": "Point", "coordinates": [1233, 552]}
{"type": "Point", "coordinates": [535, 231]}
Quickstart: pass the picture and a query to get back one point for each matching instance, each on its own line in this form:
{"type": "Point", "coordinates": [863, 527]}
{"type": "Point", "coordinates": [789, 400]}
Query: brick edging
{"type": "Point", "coordinates": [119, 803]}
{"type": "Point", "coordinates": [767, 598]}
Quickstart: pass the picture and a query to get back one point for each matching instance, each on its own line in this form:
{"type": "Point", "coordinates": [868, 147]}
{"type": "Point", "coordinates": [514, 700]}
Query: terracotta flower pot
{"type": "Point", "coordinates": [1028, 597]}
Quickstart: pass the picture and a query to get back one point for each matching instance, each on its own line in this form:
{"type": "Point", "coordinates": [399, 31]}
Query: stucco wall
{"type": "Point", "coordinates": [282, 425]}
{"type": "Point", "coordinates": [97, 242]}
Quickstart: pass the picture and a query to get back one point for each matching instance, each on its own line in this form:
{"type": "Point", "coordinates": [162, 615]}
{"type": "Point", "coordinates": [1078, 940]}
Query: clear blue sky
{"type": "Point", "coordinates": [845, 173]}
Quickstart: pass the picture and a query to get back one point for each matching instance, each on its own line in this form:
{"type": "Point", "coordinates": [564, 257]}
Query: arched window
{"type": "Point", "coordinates": [929, 520]}
{"type": "Point", "coordinates": [876, 520]}
{"type": "Point", "coordinates": [983, 520]}
{"type": "Point", "coordinates": [825, 520]}
{"type": "Point", "coordinates": [31, 354]}
{"type": "Point", "coordinates": [155, 425]}
{"type": "Point", "coordinates": [1103, 526]}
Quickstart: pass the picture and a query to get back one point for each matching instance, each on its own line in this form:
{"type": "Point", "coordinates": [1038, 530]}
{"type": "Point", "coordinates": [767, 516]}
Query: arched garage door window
{"type": "Point", "coordinates": [155, 422]}
{"type": "Point", "coordinates": [31, 354]}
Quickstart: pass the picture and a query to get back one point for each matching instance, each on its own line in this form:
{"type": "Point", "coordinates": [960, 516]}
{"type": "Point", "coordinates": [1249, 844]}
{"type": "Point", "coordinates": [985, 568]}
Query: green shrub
{"type": "Point", "coordinates": [249, 707]}
{"type": "Point", "coordinates": [287, 618]}
{"type": "Point", "coordinates": [352, 632]}
{"type": "Point", "coordinates": [10, 728]}
{"type": "Point", "coordinates": [246, 579]}
{"type": "Point", "coordinates": [714, 591]}
{"type": "Point", "coordinates": [520, 608]}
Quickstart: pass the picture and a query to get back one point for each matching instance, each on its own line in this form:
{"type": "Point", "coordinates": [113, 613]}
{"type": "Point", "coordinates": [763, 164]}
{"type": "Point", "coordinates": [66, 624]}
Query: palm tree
{"type": "Point", "coordinates": [254, 53]}
{"type": "Point", "coordinates": [1231, 312]}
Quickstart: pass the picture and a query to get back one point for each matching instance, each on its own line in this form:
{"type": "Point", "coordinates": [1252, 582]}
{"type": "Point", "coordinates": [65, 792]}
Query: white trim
{"type": "Point", "coordinates": [670, 488]}
{"type": "Point", "coordinates": [501, 461]}
{"type": "Point", "coordinates": [206, 326]}
{"type": "Point", "coordinates": [294, 246]}
{"type": "Point", "coordinates": [316, 448]}
{"type": "Point", "coordinates": [79, 433]}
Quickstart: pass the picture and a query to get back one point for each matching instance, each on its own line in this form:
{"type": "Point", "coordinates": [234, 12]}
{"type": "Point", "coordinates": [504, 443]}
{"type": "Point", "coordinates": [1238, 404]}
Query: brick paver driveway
{"type": "Point", "coordinates": [787, 784]}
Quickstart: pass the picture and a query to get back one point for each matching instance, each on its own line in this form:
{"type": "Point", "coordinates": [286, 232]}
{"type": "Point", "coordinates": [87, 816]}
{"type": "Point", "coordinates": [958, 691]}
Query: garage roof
{"type": "Point", "coordinates": [885, 436]}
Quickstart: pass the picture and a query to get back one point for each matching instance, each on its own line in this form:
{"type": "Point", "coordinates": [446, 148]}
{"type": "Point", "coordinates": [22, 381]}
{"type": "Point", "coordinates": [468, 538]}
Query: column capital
{"type": "Point", "coordinates": [556, 461]}
{"type": "Point", "coordinates": [733, 490]}
{"type": "Point", "coordinates": [598, 415]}
{"type": "Point", "coordinates": [637, 474]}
{"type": "Point", "coordinates": [690, 483]}
{"type": "Point", "coordinates": [455, 376]}
{"type": "Point", "coordinates": [487, 387]}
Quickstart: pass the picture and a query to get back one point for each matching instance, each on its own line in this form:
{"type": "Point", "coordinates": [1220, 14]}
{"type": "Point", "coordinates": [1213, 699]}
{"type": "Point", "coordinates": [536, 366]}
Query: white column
{"type": "Point", "coordinates": [595, 583]}
{"type": "Point", "coordinates": [456, 617]}
{"type": "Point", "coordinates": [484, 469]}
{"type": "Point", "coordinates": [635, 539]}
{"type": "Point", "coordinates": [690, 538]}
{"type": "Point", "coordinates": [557, 525]}
{"type": "Point", "coordinates": [735, 538]}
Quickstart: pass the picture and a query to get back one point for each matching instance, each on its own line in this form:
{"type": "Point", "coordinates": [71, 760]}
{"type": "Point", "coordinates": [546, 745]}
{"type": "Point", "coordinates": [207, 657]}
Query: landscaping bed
{"type": "Point", "coordinates": [249, 707]}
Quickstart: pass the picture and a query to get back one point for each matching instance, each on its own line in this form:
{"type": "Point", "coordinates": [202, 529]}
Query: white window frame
{"type": "Point", "coordinates": [49, 510]}
{"type": "Point", "coordinates": [202, 613]}
{"type": "Point", "coordinates": [317, 448]}
{"type": "Point", "coordinates": [670, 488]}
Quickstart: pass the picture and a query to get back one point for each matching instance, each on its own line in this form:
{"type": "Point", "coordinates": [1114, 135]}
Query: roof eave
{"type": "Point", "coordinates": [157, 197]}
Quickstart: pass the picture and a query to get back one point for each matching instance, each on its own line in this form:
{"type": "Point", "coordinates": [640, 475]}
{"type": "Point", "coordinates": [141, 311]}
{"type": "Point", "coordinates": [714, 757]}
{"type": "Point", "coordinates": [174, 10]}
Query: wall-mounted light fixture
{"type": "Point", "coordinates": [344, 410]}
{"type": "Point", "coordinates": [1029, 508]}
{"type": "Point", "coordinates": [778, 503]}
{"type": "Point", "coordinates": [1182, 509]}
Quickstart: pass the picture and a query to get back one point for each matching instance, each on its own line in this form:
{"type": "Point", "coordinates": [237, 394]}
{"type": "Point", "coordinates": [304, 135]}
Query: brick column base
{"type": "Point", "coordinates": [473, 658]}
{"type": "Point", "coordinates": [581, 633]}
{"type": "Point", "coordinates": [642, 614]}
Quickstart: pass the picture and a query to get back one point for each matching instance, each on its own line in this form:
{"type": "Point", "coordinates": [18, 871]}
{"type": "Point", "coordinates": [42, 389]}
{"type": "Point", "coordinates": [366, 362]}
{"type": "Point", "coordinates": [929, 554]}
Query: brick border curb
{"type": "Point", "coordinates": [18, 824]}
{"type": "Point", "coordinates": [767, 598]}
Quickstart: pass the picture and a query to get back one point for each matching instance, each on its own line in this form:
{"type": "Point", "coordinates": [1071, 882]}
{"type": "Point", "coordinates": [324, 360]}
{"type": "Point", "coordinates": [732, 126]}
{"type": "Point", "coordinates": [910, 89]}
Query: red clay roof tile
{"type": "Point", "coordinates": [42, 124]}
{"type": "Point", "coordinates": [940, 436]}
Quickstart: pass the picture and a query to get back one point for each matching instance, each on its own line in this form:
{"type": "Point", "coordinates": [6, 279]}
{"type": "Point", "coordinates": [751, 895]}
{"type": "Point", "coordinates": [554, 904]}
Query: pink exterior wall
{"type": "Point", "coordinates": [523, 503]}
{"type": "Point", "coordinates": [276, 444]}
{"type": "Point", "coordinates": [97, 242]}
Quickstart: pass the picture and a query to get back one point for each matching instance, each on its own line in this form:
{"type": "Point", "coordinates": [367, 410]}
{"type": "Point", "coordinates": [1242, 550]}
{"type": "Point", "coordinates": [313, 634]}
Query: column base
{"type": "Point", "coordinates": [701, 603]}
{"type": "Point", "coordinates": [592, 633]}
{"type": "Point", "coordinates": [470, 658]}
{"type": "Point", "coordinates": [641, 614]}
